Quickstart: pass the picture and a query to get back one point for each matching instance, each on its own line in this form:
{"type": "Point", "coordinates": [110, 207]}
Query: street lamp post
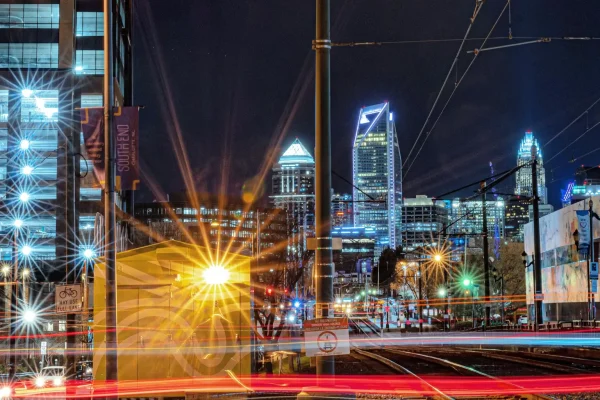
{"type": "Point", "coordinates": [420, 302]}
{"type": "Point", "coordinates": [527, 265]}
{"type": "Point", "coordinates": [501, 279]}
{"type": "Point", "coordinates": [591, 296]}
{"type": "Point", "coordinates": [469, 285]}
{"type": "Point", "coordinates": [12, 345]}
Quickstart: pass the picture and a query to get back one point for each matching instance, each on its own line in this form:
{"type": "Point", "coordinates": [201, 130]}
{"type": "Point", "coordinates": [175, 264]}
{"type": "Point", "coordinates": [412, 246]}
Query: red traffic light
{"type": "Point", "coordinates": [269, 290]}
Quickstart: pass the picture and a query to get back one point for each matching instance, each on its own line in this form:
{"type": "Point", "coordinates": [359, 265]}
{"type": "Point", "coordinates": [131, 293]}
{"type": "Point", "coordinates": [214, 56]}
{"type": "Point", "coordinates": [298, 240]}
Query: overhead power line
{"type": "Point", "coordinates": [478, 6]}
{"type": "Point", "coordinates": [451, 94]}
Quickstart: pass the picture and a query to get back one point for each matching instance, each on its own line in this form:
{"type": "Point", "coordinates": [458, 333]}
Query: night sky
{"type": "Point", "coordinates": [231, 76]}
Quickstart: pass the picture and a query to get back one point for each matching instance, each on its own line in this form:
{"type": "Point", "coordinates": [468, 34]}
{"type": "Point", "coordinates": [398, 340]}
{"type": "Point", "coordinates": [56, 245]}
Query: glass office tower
{"type": "Point", "coordinates": [377, 176]}
{"type": "Point", "coordinates": [51, 64]}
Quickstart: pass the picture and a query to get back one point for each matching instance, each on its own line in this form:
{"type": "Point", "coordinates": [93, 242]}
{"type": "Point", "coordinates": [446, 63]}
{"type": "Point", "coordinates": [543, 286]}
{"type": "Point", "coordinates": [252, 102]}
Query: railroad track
{"type": "Point", "coordinates": [416, 371]}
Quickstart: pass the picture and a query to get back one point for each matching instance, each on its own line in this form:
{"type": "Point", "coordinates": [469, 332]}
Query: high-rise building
{"type": "Point", "coordinates": [524, 186]}
{"type": "Point", "coordinates": [210, 221]}
{"type": "Point", "coordinates": [51, 64]}
{"type": "Point", "coordinates": [377, 175]}
{"type": "Point", "coordinates": [469, 217]}
{"type": "Point", "coordinates": [423, 222]}
{"type": "Point", "coordinates": [341, 210]}
{"type": "Point", "coordinates": [516, 216]}
{"type": "Point", "coordinates": [293, 190]}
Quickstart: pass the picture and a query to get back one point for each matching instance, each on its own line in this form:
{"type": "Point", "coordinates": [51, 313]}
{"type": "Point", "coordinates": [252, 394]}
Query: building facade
{"type": "Point", "coordinates": [293, 191]}
{"type": "Point", "coordinates": [377, 175]}
{"type": "Point", "coordinates": [469, 217]}
{"type": "Point", "coordinates": [341, 210]}
{"type": "Point", "coordinates": [523, 177]}
{"type": "Point", "coordinates": [423, 222]}
{"type": "Point", "coordinates": [516, 216]}
{"type": "Point", "coordinates": [565, 264]}
{"type": "Point", "coordinates": [51, 64]}
{"type": "Point", "coordinates": [211, 222]}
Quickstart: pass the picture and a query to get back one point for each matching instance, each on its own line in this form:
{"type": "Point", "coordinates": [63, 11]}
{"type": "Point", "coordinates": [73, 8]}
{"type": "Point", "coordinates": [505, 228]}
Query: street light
{"type": "Point", "coordinates": [442, 292]}
{"type": "Point", "coordinates": [27, 92]}
{"type": "Point", "coordinates": [24, 144]}
{"type": "Point", "coordinates": [17, 223]}
{"type": "Point", "coordinates": [216, 275]}
{"type": "Point", "coordinates": [27, 170]}
{"type": "Point", "coordinates": [88, 254]}
{"type": "Point", "coordinates": [24, 197]}
{"type": "Point", "coordinates": [437, 258]}
{"type": "Point", "coordinates": [26, 250]}
{"type": "Point", "coordinates": [30, 316]}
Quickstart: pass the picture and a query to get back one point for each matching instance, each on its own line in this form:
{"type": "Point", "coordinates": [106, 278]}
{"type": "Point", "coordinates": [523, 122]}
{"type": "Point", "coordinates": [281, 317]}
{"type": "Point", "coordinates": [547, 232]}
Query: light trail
{"type": "Point", "coordinates": [400, 385]}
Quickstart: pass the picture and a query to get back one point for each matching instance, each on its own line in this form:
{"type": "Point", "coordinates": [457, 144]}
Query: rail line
{"type": "Point", "coordinates": [457, 368]}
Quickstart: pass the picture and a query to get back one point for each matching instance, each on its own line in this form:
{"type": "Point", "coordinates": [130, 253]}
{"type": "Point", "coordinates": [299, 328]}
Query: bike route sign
{"type": "Point", "coordinates": [68, 298]}
{"type": "Point", "coordinates": [326, 337]}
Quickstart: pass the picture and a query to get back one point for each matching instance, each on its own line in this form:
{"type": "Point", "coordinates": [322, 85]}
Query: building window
{"type": "Point", "coordinates": [28, 55]}
{"type": "Point", "coordinates": [62, 326]}
{"type": "Point", "coordinates": [49, 326]}
{"type": "Point", "coordinates": [29, 16]}
{"type": "Point", "coordinates": [89, 62]}
{"type": "Point", "coordinates": [90, 24]}
{"type": "Point", "coordinates": [91, 100]}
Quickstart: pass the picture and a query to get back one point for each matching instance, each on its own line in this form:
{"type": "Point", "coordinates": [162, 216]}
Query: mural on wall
{"type": "Point", "coordinates": [564, 268]}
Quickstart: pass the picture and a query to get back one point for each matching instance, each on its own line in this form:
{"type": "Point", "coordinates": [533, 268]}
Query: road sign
{"type": "Point", "coordinates": [593, 270]}
{"type": "Point", "coordinates": [68, 298]}
{"type": "Point", "coordinates": [44, 348]}
{"type": "Point", "coordinates": [326, 337]}
{"type": "Point", "coordinates": [538, 296]}
{"type": "Point", "coordinates": [594, 286]}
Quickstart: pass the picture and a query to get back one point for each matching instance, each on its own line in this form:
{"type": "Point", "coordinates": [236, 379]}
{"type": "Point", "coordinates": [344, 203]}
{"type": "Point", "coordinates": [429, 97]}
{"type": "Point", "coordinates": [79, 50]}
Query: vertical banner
{"type": "Point", "coordinates": [92, 126]}
{"type": "Point", "coordinates": [583, 219]}
{"type": "Point", "coordinates": [125, 129]}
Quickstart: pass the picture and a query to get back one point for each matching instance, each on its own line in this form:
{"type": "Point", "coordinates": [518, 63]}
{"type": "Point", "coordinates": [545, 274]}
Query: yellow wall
{"type": "Point", "coordinates": [170, 323]}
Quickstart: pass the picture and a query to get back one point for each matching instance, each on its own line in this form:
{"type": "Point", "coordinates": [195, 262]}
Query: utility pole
{"type": "Point", "coordinates": [537, 265]}
{"type": "Point", "coordinates": [109, 200]}
{"type": "Point", "coordinates": [486, 261]}
{"type": "Point", "coordinates": [323, 254]}
{"type": "Point", "coordinates": [420, 302]}
{"type": "Point", "coordinates": [591, 296]}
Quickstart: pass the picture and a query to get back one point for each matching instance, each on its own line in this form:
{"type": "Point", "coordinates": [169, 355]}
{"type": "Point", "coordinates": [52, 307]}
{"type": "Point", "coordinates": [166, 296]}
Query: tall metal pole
{"type": "Point", "coordinates": [486, 261]}
{"type": "Point", "coordinates": [420, 303]}
{"type": "Point", "coordinates": [109, 200]}
{"type": "Point", "coordinates": [537, 265]}
{"type": "Point", "coordinates": [591, 297]}
{"type": "Point", "coordinates": [323, 254]}
{"type": "Point", "coordinates": [12, 320]}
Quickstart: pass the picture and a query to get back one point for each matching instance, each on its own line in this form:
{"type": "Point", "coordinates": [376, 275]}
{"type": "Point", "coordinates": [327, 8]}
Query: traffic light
{"type": "Point", "coordinates": [269, 291]}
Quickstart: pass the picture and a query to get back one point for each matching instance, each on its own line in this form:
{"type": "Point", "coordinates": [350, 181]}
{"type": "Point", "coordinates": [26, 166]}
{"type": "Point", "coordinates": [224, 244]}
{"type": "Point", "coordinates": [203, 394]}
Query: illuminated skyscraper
{"type": "Point", "coordinates": [524, 185]}
{"type": "Point", "coordinates": [377, 176]}
{"type": "Point", "coordinates": [294, 191]}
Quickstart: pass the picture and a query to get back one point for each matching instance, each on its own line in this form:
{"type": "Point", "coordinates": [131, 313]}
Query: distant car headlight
{"type": "Point", "coordinates": [5, 392]}
{"type": "Point", "coordinates": [40, 382]}
{"type": "Point", "coordinates": [58, 381]}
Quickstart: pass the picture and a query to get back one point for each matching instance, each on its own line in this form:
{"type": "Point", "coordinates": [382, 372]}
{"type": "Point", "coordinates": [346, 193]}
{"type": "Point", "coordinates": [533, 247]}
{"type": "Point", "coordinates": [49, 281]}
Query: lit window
{"type": "Point", "coordinates": [62, 326]}
{"type": "Point", "coordinates": [90, 24]}
{"type": "Point", "coordinates": [89, 62]}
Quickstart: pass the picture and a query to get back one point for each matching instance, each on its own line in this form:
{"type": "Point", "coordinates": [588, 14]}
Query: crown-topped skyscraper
{"type": "Point", "coordinates": [523, 185]}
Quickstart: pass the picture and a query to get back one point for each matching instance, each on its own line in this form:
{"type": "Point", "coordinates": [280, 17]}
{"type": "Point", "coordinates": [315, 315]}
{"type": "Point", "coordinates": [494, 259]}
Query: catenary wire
{"type": "Point", "coordinates": [472, 21]}
{"type": "Point", "coordinates": [451, 94]}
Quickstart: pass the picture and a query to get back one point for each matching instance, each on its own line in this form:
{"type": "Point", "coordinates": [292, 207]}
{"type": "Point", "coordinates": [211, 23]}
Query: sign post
{"type": "Point", "coordinates": [326, 337]}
